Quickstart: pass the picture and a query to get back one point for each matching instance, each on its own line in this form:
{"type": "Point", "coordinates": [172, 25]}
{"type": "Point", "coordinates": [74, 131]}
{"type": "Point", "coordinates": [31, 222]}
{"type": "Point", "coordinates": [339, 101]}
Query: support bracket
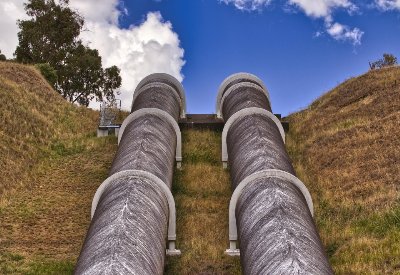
{"type": "Point", "coordinates": [243, 113]}
{"type": "Point", "coordinates": [171, 202]}
{"type": "Point", "coordinates": [268, 173]}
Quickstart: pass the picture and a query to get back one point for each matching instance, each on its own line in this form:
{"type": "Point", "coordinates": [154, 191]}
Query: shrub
{"type": "Point", "coordinates": [2, 57]}
{"type": "Point", "coordinates": [386, 61]}
{"type": "Point", "coordinates": [48, 72]}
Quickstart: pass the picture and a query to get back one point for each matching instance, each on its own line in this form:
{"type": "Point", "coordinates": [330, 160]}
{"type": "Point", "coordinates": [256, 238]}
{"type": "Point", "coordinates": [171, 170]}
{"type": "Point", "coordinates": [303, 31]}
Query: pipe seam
{"type": "Point", "coordinates": [267, 173]}
{"type": "Point", "coordinates": [159, 77]}
{"type": "Point", "coordinates": [146, 175]}
{"type": "Point", "coordinates": [240, 85]}
{"type": "Point", "coordinates": [243, 113]}
{"type": "Point", "coordinates": [161, 114]}
{"type": "Point", "coordinates": [247, 77]}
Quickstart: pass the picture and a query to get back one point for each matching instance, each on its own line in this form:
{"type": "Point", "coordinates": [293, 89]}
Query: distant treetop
{"type": "Point", "coordinates": [2, 57]}
{"type": "Point", "coordinates": [387, 61]}
{"type": "Point", "coordinates": [51, 38]}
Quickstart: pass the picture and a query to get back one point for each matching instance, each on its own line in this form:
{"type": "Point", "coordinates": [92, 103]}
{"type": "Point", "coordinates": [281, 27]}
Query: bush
{"type": "Point", "coordinates": [48, 72]}
{"type": "Point", "coordinates": [2, 57]}
{"type": "Point", "coordinates": [387, 61]}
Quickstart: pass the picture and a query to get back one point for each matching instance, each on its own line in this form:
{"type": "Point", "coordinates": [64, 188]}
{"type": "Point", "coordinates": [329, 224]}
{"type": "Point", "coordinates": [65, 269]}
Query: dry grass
{"type": "Point", "coordinates": [202, 193]}
{"type": "Point", "coordinates": [346, 147]}
{"type": "Point", "coordinates": [34, 120]}
{"type": "Point", "coordinates": [45, 223]}
{"type": "Point", "coordinates": [51, 164]}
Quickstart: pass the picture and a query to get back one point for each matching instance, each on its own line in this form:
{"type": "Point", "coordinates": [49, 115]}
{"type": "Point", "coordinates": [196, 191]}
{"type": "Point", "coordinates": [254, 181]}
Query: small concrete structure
{"type": "Point", "coordinates": [102, 131]}
{"type": "Point", "coordinates": [172, 251]}
{"type": "Point", "coordinates": [164, 115]}
{"type": "Point", "coordinates": [242, 113]}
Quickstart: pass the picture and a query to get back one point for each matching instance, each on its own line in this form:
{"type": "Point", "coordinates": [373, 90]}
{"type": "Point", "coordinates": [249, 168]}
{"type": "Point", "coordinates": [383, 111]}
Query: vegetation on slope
{"type": "Point", "coordinates": [50, 166]}
{"type": "Point", "coordinates": [346, 148]}
{"type": "Point", "coordinates": [202, 192]}
{"type": "Point", "coordinates": [35, 122]}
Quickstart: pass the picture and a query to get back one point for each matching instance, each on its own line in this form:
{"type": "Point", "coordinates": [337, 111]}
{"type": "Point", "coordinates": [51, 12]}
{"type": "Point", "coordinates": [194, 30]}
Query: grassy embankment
{"type": "Point", "coordinates": [202, 192]}
{"type": "Point", "coordinates": [346, 148]}
{"type": "Point", "coordinates": [50, 166]}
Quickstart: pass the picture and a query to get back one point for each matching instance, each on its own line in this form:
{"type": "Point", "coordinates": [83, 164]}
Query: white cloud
{"type": "Point", "coordinates": [10, 12]}
{"type": "Point", "coordinates": [344, 33]}
{"type": "Point", "coordinates": [315, 9]}
{"type": "Point", "coordinates": [322, 8]}
{"type": "Point", "coordinates": [388, 4]}
{"type": "Point", "coordinates": [140, 50]}
{"type": "Point", "coordinates": [248, 5]}
{"type": "Point", "coordinates": [97, 11]}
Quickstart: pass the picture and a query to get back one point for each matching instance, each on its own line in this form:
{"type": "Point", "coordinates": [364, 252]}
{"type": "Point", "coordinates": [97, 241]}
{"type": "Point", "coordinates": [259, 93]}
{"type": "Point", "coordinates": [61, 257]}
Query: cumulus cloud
{"type": "Point", "coordinates": [315, 9]}
{"type": "Point", "coordinates": [248, 5]}
{"type": "Point", "coordinates": [322, 8]}
{"type": "Point", "coordinates": [388, 4]}
{"type": "Point", "coordinates": [139, 50]}
{"type": "Point", "coordinates": [150, 47]}
{"type": "Point", "coordinates": [342, 32]}
{"type": "Point", "coordinates": [10, 12]}
{"type": "Point", "coordinates": [98, 11]}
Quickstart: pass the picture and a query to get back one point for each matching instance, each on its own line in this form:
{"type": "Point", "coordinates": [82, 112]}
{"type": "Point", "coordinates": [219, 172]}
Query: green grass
{"type": "Point", "coordinates": [202, 193]}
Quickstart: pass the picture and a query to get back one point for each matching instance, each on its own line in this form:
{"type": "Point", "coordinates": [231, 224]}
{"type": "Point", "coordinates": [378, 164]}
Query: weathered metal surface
{"type": "Point", "coordinates": [148, 144]}
{"type": "Point", "coordinates": [158, 95]}
{"type": "Point", "coordinates": [276, 231]}
{"type": "Point", "coordinates": [243, 95]}
{"type": "Point", "coordinates": [166, 79]}
{"type": "Point", "coordinates": [254, 144]}
{"type": "Point", "coordinates": [128, 231]}
{"type": "Point", "coordinates": [235, 79]}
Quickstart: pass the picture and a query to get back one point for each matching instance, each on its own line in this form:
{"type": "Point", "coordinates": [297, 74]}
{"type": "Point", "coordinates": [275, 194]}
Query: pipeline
{"type": "Point", "coordinates": [133, 211]}
{"type": "Point", "coordinates": [270, 210]}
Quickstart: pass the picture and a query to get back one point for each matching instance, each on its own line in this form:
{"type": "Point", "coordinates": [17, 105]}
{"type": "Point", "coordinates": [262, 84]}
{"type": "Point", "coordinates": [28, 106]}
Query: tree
{"type": "Point", "coordinates": [2, 57]}
{"type": "Point", "coordinates": [51, 33]}
{"type": "Point", "coordinates": [386, 61]}
{"type": "Point", "coordinates": [82, 78]}
{"type": "Point", "coordinates": [51, 37]}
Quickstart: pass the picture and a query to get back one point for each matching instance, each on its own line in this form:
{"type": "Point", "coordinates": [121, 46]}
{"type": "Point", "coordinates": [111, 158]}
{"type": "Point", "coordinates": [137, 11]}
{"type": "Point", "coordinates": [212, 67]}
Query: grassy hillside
{"type": "Point", "coordinates": [346, 147]}
{"type": "Point", "coordinates": [34, 122]}
{"type": "Point", "coordinates": [50, 165]}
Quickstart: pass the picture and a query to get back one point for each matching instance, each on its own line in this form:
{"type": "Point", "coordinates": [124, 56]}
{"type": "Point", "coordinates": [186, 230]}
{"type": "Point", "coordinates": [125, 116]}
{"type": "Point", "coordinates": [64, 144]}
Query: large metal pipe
{"type": "Point", "coordinates": [158, 95]}
{"type": "Point", "coordinates": [243, 95]}
{"type": "Point", "coordinates": [128, 231]}
{"type": "Point", "coordinates": [276, 231]}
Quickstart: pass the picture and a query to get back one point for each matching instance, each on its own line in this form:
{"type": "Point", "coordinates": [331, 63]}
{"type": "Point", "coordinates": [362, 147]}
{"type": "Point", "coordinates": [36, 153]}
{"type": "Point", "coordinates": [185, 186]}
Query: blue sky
{"type": "Point", "coordinates": [299, 48]}
{"type": "Point", "coordinates": [281, 47]}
